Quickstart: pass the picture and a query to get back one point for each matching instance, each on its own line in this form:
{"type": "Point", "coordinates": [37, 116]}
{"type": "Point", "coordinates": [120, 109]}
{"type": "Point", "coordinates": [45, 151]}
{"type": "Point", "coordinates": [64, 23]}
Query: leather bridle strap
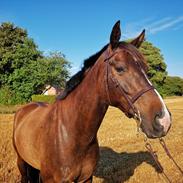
{"type": "Point", "coordinates": [130, 101]}
{"type": "Point", "coordinates": [107, 82]}
{"type": "Point", "coordinates": [133, 99]}
{"type": "Point", "coordinates": [122, 91]}
{"type": "Point", "coordinates": [139, 94]}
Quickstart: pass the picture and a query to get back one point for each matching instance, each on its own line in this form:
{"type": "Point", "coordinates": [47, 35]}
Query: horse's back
{"type": "Point", "coordinates": [26, 110]}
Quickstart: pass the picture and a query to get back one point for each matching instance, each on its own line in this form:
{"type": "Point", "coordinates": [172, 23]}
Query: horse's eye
{"type": "Point", "coordinates": [120, 69]}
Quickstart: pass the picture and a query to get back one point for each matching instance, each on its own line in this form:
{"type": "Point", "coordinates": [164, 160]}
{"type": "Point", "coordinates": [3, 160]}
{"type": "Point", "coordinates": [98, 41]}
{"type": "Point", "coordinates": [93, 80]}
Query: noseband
{"type": "Point", "coordinates": [131, 110]}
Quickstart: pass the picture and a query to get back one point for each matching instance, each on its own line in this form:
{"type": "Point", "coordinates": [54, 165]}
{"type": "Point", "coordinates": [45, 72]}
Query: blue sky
{"type": "Point", "coordinates": [80, 28]}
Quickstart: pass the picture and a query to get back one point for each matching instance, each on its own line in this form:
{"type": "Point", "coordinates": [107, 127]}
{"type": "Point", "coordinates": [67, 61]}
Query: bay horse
{"type": "Point", "coordinates": [59, 140]}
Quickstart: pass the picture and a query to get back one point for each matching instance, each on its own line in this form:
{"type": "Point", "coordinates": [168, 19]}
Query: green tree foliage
{"type": "Point", "coordinates": [24, 70]}
{"type": "Point", "coordinates": [16, 50]}
{"type": "Point", "coordinates": [157, 67]}
{"type": "Point", "coordinates": [172, 86]}
{"type": "Point", "coordinates": [166, 85]}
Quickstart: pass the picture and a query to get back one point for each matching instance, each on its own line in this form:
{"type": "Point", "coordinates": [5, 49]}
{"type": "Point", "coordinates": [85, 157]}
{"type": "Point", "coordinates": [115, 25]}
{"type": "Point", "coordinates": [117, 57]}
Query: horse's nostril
{"type": "Point", "coordinates": [159, 115]}
{"type": "Point", "coordinates": [156, 125]}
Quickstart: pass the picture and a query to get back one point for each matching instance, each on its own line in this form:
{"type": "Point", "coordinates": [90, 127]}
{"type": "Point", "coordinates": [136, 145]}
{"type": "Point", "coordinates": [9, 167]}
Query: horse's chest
{"type": "Point", "coordinates": [80, 165]}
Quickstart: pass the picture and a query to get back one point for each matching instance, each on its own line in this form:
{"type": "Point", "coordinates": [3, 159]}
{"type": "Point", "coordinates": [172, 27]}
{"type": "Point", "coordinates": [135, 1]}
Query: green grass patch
{"type": "Point", "coordinates": [8, 109]}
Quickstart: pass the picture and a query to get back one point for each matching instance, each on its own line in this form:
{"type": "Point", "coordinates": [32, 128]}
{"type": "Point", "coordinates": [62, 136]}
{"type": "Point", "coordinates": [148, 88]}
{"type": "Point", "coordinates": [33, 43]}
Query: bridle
{"type": "Point", "coordinates": [131, 110]}
{"type": "Point", "coordinates": [136, 114]}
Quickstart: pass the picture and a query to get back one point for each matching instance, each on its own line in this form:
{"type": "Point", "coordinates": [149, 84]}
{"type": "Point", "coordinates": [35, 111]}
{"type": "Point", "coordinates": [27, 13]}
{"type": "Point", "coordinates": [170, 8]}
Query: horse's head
{"type": "Point", "coordinates": [128, 87]}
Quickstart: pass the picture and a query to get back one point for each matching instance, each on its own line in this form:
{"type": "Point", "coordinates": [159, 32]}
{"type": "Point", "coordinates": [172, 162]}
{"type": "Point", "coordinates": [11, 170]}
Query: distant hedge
{"type": "Point", "coordinates": [43, 98]}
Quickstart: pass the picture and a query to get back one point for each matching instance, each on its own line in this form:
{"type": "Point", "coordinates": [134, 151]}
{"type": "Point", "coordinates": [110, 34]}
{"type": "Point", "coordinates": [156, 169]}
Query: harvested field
{"type": "Point", "coordinates": [123, 155]}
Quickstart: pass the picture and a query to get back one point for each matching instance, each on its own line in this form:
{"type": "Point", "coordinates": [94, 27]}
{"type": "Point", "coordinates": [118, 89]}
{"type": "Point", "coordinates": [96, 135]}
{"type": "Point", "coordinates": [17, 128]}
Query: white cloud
{"type": "Point", "coordinates": [166, 25]}
{"type": "Point", "coordinates": [159, 22]}
{"type": "Point", "coordinates": [152, 26]}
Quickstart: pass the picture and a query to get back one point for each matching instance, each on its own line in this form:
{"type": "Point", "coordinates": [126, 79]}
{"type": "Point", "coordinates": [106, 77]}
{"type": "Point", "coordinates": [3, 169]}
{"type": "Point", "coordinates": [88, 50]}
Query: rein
{"type": "Point", "coordinates": [148, 146]}
{"type": "Point", "coordinates": [153, 153]}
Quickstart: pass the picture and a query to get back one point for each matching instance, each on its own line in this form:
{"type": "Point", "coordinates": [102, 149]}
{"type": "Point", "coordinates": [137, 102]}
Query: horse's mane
{"type": "Point", "coordinates": [76, 79]}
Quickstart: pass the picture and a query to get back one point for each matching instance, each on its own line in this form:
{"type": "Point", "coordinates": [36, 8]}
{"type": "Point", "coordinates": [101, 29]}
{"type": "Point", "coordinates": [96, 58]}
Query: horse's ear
{"type": "Point", "coordinates": [115, 35]}
{"type": "Point", "coordinates": [139, 40]}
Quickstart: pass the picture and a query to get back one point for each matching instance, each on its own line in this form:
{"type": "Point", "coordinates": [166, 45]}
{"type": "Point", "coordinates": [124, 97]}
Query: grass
{"type": "Point", "coordinates": [123, 155]}
{"type": "Point", "coordinates": [8, 109]}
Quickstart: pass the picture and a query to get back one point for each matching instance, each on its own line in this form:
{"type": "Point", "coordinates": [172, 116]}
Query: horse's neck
{"type": "Point", "coordinates": [86, 105]}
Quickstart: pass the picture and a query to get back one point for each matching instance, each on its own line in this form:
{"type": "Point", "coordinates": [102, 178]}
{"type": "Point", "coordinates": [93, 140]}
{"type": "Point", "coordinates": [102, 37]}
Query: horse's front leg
{"type": "Point", "coordinates": [22, 166]}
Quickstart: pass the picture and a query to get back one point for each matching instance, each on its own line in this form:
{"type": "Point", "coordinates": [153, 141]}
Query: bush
{"type": "Point", "coordinates": [173, 86]}
{"type": "Point", "coordinates": [10, 97]}
{"type": "Point", "coordinates": [5, 95]}
{"type": "Point", "coordinates": [43, 98]}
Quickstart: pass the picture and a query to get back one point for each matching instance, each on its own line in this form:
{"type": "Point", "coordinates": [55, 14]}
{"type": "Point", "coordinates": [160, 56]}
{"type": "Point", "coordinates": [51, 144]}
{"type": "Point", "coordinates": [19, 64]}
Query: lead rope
{"type": "Point", "coordinates": [148, 146]}
{"type": "Point", "coordinates": [162, 142]}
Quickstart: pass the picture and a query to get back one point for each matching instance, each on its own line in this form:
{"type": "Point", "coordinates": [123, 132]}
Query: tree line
{"type": "Point", "coordinates": [25, 70]}
{"type": "Point", "coordinates": [157, 73]}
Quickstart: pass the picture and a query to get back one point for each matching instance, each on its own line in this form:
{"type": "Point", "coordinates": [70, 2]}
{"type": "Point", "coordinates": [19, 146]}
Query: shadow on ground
{"type": "Point", "coordinates": [119, 167]}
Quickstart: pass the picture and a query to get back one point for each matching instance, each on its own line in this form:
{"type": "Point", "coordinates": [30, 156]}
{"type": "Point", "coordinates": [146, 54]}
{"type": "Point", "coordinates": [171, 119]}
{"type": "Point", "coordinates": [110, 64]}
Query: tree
{"type": "Point", "coordinates": [173, 86]}
{"type": "Point", "coordinates": [57, 69]}
{"type": "Point", "coordinates": [157, 67]}
{"type": "Point", "coordinates": [32, 78]}
{"type": "Point", "coordinates": [16, 50]}
{"type": "Point", "coordinates": [24, 70]}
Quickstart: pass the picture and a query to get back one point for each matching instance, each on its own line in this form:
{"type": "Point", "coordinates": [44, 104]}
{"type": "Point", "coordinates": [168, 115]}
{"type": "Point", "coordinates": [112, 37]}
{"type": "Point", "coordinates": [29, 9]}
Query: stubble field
{"type": "Point", "coordinates": [123, 155]}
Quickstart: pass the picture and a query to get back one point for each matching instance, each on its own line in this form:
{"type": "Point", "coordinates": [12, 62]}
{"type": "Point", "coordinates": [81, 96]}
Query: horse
{"type": "Point", "coordinates": [59, 141]}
